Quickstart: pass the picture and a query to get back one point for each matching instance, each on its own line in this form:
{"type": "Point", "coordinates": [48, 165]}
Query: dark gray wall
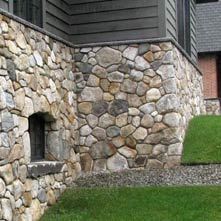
{"type": "Point", "coordinates": [109, 20]}
{"type": "Point", "coordinates": [56, 17]}
{"type": "Point", "coordinates": [4, 5]}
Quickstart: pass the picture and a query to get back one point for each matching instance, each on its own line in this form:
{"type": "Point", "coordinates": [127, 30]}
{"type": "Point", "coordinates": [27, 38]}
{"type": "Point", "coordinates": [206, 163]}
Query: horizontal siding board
{"type": "Point", "coordinates": [113, 15]}
{"type": "Point", "coordinates": [55, 30]}
{"type": "Point", "coordinates": [115, 26]}
{"type": "Point", "coordinates": [4, 5]}
{"type": "Point", "coordinates": [116, 36]}
{"type": "Point", "coordinates": [110, 6]}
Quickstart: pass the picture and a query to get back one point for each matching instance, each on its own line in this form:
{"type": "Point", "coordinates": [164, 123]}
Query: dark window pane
{"type": "Point", "coordinates": [30, 10]}
{"type": "Point", "coordinates": [37, 137]}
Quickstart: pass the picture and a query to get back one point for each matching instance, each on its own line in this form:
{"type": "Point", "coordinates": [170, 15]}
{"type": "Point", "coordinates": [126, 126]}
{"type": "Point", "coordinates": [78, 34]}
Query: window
{"type": "Point", "coordinates": [30, 10]}
{"type": "Point", "coordinates": [37, 137]}
{"type": "Point", "coordinates": [184, 24]}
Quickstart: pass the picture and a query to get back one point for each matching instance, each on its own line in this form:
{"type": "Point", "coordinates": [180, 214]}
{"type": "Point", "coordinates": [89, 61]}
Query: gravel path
{"type": "Point", "coordinates": [184, 175]}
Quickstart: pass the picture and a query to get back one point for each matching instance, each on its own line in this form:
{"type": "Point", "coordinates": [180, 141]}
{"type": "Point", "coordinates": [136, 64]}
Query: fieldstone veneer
{"type": "Point", "coordinates": [134, 104]}
{"type": "Point", "coordinates": [36, 76]}
{"type": "Point", "coordinates": [105, 108]}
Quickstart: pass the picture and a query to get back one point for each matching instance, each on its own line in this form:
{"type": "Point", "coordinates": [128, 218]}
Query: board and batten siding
{"type": "Point", "coordinates": [193, 29]}
{"type": "Point", "coordinates": [4, 5]}
{"type": "Point", "coordinates": [106, 20]}
{"type": "Point", "coordinates": [56, 18]}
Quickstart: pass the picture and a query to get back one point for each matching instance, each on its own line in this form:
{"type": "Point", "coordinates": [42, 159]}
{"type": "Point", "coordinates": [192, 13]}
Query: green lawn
{"type": "Point", "coordinates": [203, 140]}
{"type": "Point", "coordinates": [138, 204]}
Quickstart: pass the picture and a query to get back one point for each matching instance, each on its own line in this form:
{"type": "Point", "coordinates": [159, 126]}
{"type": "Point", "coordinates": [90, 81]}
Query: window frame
{"type": "Point", "coordinates": [184, 30]}
{"type": "Point", "coordinates": [37, 122]}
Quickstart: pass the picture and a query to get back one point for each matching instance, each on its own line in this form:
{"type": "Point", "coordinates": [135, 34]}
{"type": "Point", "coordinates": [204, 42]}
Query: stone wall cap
{"type": "Point", "coordinates": [42, 168]}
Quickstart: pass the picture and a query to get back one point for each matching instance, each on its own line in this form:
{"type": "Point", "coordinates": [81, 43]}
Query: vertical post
{"type": "Point", "coordinates": [43, 14]}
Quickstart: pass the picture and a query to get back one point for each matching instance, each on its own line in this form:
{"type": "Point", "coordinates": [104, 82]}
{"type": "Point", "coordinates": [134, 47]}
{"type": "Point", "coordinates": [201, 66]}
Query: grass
{"type": "Point", "coordinates": [203, 141]}
{"type": "Point", "coordinates": [138, 204]}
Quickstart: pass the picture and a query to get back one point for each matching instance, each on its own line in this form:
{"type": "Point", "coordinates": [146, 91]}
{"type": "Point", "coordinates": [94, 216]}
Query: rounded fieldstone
{"type": "Point", "coordinates": [136, 75]}
{"type": "Point", "coordinates": [141, 64]}
{"type": "Point", "coordinates": [102, 149]}
{"type": "Point", "coordinates": [99, 108]}
{"type": "Point", "coordinates": [118, 107]}
{"type": "Point", "coordinates": [113, 131]}
{"type": "Point", "coordinates": [117, 162]}
{"type": "Point", "coordinates": [130, 53]}
{"type": "Point", "coordinates": [147, 121]}
{"type": "Point", "coordinates": [129, 86]}
{"type": "Point", "coordinates": [172, 119]}
{"type": "Point", "coordinates": [140, 133]}
{"type": "Point", "coordinates": [99, 133]}
{"type": "Point", "coordinates": [108, 56]}
{"type": "Point", "coordinates": [127, 152]}
{"type": "Point", "coordinates": [127, 130]}
{"type": "Point", "coordinates": [153, 95]}
{"type": "Point", "coordinates": [42, 196]}
{"type": "Point", "coordinates": [106, 120]}
{"type": "Point", "coordinates": [116, 77]}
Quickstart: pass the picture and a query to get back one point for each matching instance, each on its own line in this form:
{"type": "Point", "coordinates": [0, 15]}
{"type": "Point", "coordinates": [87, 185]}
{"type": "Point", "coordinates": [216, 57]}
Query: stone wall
{"type": "Point", "coordinates": [134, 104]}
{"type": "Point", "coordinates": [36, 76]}
{"type": "Point", "coordinates": [105, 108]}
{"type": "Point", "coordinates": [212, 106]}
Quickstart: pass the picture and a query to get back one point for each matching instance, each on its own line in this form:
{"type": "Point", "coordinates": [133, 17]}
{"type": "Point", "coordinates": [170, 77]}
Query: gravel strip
{"type": "Point", "coordinates": [183, 175]}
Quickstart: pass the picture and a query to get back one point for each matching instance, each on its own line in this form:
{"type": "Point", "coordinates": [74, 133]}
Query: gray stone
{"type": "Point", "coordinates": [99, 71]}
{"type": "Point", "coordinates": [7, 121]}
{"type": "Point", "coordinates": [6, 209]}
{"type": "Point", "coordinates": [78, 57]}
{"type": "Point", "coordinates": [170, 86]}
{"type": "Point", "coordinates": [22, 173]}
{"type": "Point", "coordinates": [153, 95]}
{"type": "Point", "coordinates": [93, 81]}
{"type": "Point", "coordinates": [154, 164]}
{"type": "Point", "coordinates": [175, 149]}
{"type": "Point", "coordinates": [129, 86]}
{"type": "Point", "coordinates": [38, 58]}
{"type": "Point", "coordinates": [166, 71]}
{"type": "Point", "coordinates": [156, 64]}
{"type": "Point", "coordinates": [92, 120]}
{"type": "Point", "coordinates": [99, 108]}
{"type": "Point", "coordinates": [124, 68]}
{"type": "Point", "coordinates": [147, 121]}
{"type": "Point", "coordinates": [130, 53]}
{"type": "Point", "coordinates": [2, 99]}
{"type": "Point", "coordinates": [6, 173]}
{"type": "Point", "coordinates": [85, 130]}
{"type": "Point", "coordinates": [106, 120]}
{"type": "Point", "coordinates": [42, 195]}
{"type": "Point", "coordinates": [11, 69]}
{"type": "Point", "coordinates": [136, 75]}
{"type": "Point", "coordinates": [140, 133]}
{"type": "Point", "coordinates": [9, 101]}
{"type": "Point", "coordinates": [168, 103]}
{"type": "Point", "coordinates": [113, 131]}
{"type": "Point", "coordinates": [86, 162]}
{"type": "Point", "coordinates": [134, 100]}
{"type": "Point", "coordinates": [16, 153]}
{"type": "Point", "coordinates": [4, 152]}
{"type": "Point", "coordinates": [141, 88]}
{"type": "Point", "coordinates": [108, 56]}
{"type": "Point", "coordinates": [84, 67]}
{"type": "Point", "coordinates": [144, 149]}
{"type": "Point", "coordinates": [4, 140]}
{"type": "Point", "coordinates": [100, 165]}
{"type": "Point", "coordinates": [18, 189]}
{"type": "Point", "coordinates": [141, 64]}
{"type": "Point", "coordinates": [90, 140]}
{"type": "Point", "coordinates": [2, 188]}
{"type": "Point", "coordinates": [172, 119]}
{"type": "Point", "coordinates": [117, 162]}
{"type": "Point", "coordinates": [156, 82]}
{"type": "Point", "coordinates": [91, 94]}
{"type": "Point", "coordinates": [99, 133]}
{"type": "Point", "coordinates": [127, 130]}
{"type": "Point", "coordinates": [148, 108]}
{"type": "Point", "coordinates": [116, 77]}
{"type": "Point", "coordinates": [143, 48]}
{"type": "Point", "coordinates": [127, 152]}
{"type": "Point", "coordinates": [118, 107]}
{"type": "Point", "coordinates": [102, 149]}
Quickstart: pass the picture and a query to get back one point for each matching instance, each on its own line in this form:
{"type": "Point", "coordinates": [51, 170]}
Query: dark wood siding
{"type": "Point", "coordinates": [111, 20]}
{"type": "Point", "coordinates": [193, 29]}
{"type": "Point", "coordinates": [57, 18]}
{"type": "Point", "coordinates": [171, 19]}
{"type": "Point", "coordinates": [4, 5]}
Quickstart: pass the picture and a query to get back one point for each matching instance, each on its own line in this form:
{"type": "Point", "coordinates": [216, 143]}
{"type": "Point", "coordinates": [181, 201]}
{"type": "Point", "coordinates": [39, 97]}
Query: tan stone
{"type": "Point", "coordinates": [6, 173]}
{"type": "Point", "coordinates": [131, 142]}
{"type": "Point", "coordinates": [118, 141]}
{"type": "Point", "coordinates": [127, 152]}
{"type": "Point", "coordinates": [140, 133]}
{"type": "Point", "coordinates": [114, 88]}
{"type": "Point", "coordinates": [108, 97]}
{"type": "Point", "coordinates": [149, 56]}
{"type": "Point", "coordinates": [121, 120]}
{"type": "Point", "coordinates": [35, 209]}
{"type": "Point", "coordinates": [127, 130]}
{"type": "Point", "coordinates": [16, 153]}
{"type": "Point", "coordinates": [20, 40]}
{"type": "Point", "coordinates": [85, 107]}
{"type": "Point", "coordinates": [19, 99]}
{"type": "Point", "coordinates": [12, 47]}
{"type": "Point", "coordinates": [144, 149]}
{"type": "Point", "coordinates": [27, 198]}
{"type": "Point", "coordinates": [154, 164]}
{"type": "Point", "coordinates": [157, 127]}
